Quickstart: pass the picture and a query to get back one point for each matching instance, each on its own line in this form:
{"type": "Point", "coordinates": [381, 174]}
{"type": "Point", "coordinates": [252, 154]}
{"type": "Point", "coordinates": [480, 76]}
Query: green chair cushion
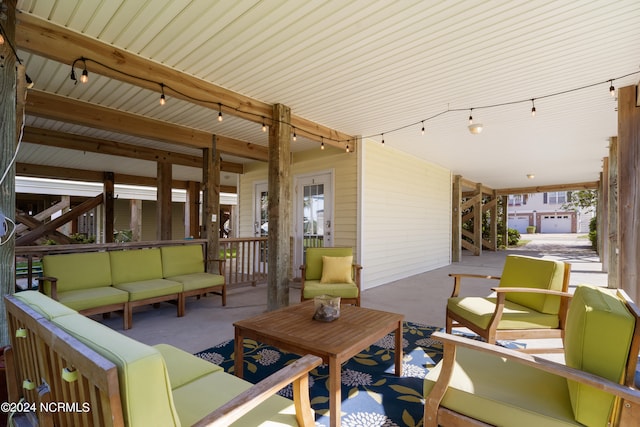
{"type": "Point", "coordinates": [150, 288]}
{"type": "Point", "coordinates": [145, 390]}
{"type": "Point", "coordinates": [194, 281]}
{"type": "Point", "coordinates": [184, 367]}
{"type": "Point", "coordinates": [597, 340]}
{"type": "Point", "coordinates": [479, 311]}
{"type": "Point", "coordinates": [529, 272]}
{"type": "Point", "coordinates": [77, 271]}
{"type": "Point", "coordinates": [135, 265]}
{"type": "Point", "coordinates": [181, 260]}
{"type": "Point", "coordinates": [500, 392]}
{"type": "Point", "coordinates": [197, 398]}
{"type": "Point", "coordinates": [314, 288]}
{"type": "Point", "coordinates": [313, 260]}
{"type": "Point", "coordinates": [90, 298]}
{"type": "Point", "coordinates": [47, 307]}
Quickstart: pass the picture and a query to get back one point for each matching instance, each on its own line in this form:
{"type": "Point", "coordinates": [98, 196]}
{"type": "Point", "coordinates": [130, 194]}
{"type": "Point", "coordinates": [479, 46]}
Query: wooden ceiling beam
{"type": "Point", "coordinates": [63, 45]}
{"type": "Point", "coordinates": [592, 185]}
{"type": "Point", "coordinates": [54, 172]}
{"type": "Point", "coordinates": [52, 138]}
{"type": "Point", "coordinates": [56, 107]}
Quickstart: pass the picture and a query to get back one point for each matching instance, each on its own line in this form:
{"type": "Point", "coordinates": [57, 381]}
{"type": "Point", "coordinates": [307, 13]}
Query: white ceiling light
{"type": "Point", "coordinates": [475, 128]}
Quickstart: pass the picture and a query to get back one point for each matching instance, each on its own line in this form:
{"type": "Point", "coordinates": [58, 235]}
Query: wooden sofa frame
{"type": "Point", "coordinates": [50, 351]}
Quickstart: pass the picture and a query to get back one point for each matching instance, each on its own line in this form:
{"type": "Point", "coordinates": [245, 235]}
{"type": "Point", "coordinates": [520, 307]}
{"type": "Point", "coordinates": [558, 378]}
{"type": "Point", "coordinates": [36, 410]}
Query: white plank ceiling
{"type": "Point", "coordinates": [368, 68]}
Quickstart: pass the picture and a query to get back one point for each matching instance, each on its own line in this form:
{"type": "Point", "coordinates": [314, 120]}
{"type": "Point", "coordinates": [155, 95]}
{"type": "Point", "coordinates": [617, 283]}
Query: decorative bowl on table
{"type": "Point", "coordinates": [327, 308]}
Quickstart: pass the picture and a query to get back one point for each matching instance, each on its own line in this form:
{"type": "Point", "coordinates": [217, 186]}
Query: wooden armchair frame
{"type": "Point", "coordinates": [629, 407]}
{"type": "Point", "coordinates": [491, 333]}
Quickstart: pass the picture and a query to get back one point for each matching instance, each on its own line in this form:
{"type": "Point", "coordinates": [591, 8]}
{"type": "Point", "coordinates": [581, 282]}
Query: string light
{"type": "Point", "coordinates": [477, 127]}
{"type": "Point", "coordinates": [322, 143]}
{"type": "Point", "coordinates": [219, 112]}
{"type": "Point", "coordinates": [85, 74]}
{"type": "Point", "coordinates": [347, 148]}
{"type": "Point", "coordinates": [533, 108]}
{"type": "Point", "coordinates": [382, 134]}
{"type": "Point", "coordinates": [295, 137]}
{"type": "Point", "coordinates": [163, 100]}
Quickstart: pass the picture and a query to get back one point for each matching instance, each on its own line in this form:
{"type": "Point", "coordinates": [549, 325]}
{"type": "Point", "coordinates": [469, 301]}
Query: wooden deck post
{"type": "Point", "coordinates": [211, 201]}
{"type": "Point", "coordinates": [493, 212]}
{"type": "Point", "coordinates": [8, 132]}
{"type": "Point", "coordinates": [135, 222]}
{"type": "Point", "coordinates": [279, 208]}
{"type": "Point", "coordinates": [505, 221]}
{"type": "Point", "coordinates": [456, 220]}
{"type": "Point", "coordinates": [477, 221]}
{"type": "Point", "coordinates": [108, 183]}
{"type": "Point", "coordinates": [612, 215]}
{"type": "Point", "coordinates": [628, 189]}
{"type": "Point", "coordinates": [163, 206]}
{"type": "Point", "coordinates": [192, 213]}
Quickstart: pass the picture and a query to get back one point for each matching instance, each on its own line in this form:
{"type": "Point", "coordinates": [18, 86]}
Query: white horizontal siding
{"type": "Point", "coordinates": [406, 215]}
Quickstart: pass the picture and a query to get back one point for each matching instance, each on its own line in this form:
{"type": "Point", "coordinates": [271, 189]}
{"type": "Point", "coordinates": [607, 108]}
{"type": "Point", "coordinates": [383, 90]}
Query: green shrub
{"type": "Point", "coordinates": [514, 236]}
{"type": "Point", "coordinates": [593, 233]}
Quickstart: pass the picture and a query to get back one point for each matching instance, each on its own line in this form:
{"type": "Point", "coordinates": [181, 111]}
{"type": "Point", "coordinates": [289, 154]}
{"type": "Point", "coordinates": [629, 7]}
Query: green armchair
{"type": "Point", "coordinates": [482, 384]}
{"type": "Point", "coordinates": [331, 271]}
{"type": "Point", "coordinates": [531, 302]}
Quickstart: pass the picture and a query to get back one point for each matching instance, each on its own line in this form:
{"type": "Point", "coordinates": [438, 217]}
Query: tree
{"type": "Point", "coordinates": [582, 200]}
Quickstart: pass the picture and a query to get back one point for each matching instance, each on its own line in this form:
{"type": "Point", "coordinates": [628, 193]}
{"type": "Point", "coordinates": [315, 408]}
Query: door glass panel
{"type": "Point", "coordinates": [313, 216]}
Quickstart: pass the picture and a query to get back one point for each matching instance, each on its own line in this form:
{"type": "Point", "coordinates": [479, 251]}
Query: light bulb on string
{"type": "Point", "coordinates": [163, 100]}
{"type": "Point", "coordinates": [382, 134]}
{"type": "Point", "coordinates": [85, 74]}
{"type": "Point", "coordinates": [533, 108]}
{"type": "Point", "coordinates": [264, 126]}
{"type": "Point", "coordinates": [220, 112]}
{"type": "Point", "coordinates": [322, 143]}
{"type": "Point", "coordinates": [471, 116]}
{"type": "Point", "coordinates": [612, 90]}
{"type": "Point", "coordinates": [295, 137]}
{"type": "Point", "coordinates": [347, 148]}
{"type": "Point", "coordinates": [423, 127]}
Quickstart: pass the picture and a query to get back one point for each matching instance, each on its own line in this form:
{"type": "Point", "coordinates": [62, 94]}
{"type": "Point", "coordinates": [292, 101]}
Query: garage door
{"type": "Point", "coordinates": [555, 224]}
{"type": "Point", "coordinates": [519, 223]}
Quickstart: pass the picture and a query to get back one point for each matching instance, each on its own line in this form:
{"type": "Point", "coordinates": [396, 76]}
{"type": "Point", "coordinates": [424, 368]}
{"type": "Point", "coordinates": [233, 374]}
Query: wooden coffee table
{"type": "Point", "coordinates": [293, 329]}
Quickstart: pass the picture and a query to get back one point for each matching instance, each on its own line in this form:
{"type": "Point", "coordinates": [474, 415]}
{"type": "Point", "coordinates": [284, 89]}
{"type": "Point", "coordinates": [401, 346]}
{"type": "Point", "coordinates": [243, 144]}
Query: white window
{"type": "Point", "coordinates": [557, 197]}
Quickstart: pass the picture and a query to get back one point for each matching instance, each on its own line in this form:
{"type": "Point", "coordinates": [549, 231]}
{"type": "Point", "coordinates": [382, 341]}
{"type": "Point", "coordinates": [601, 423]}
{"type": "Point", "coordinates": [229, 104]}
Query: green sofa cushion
{"type": "Point", "coordinates": [146, 289]}
{"type": "Point", "coordinates": [145, 390]}
{"type": "Point", "coordinates": [77, 271]}
{"type": "Point", "coordinates": [514, 316]}
{"type": "Point", "coordinates": [314, 288]}
{"type": "Point", "coordinates": [180, 260]}
{"type": "Point", "coordinates": [313, 260]}
{"type": "Point", "coordinates": [135, 265]}
{"type": "Point", "coordinates": [530, 272]}
{"type": "Point", "coordinates": [500, 392]}
{"type": "Point", "coordinates": [197, 398]}
{"type": "Point", "coordinates": [184, 367]}
{"type": "Point", "coordinates": [44, 305]}
{"type": "Point", "coordinates": [194, 281]}
{"type": "Point", "coordinates": [597, 340]}
{"type": "Point", "coordinates": [90, 298]}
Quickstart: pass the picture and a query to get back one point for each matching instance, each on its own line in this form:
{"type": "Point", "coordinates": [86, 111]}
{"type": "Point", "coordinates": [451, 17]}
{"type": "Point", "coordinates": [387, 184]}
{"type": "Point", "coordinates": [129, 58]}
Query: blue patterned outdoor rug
{"type": "Point", "coordinates": [372, 395]}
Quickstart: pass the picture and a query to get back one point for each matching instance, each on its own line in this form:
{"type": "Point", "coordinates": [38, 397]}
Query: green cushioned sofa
{"type": "Point", "coordinates": [58, 355]}
{"type": "Point", "coordinates": [122, 279]}
{"type": "Point", "coordinates": [490, 385]}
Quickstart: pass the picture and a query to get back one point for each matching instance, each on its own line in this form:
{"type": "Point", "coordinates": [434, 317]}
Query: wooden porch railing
{"type": "Point", "coordinates": [245, 258]}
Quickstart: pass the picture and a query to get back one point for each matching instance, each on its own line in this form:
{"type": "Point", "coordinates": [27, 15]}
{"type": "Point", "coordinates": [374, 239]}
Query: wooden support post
{"type": "Point", "coordinates": [493, 213]}
{"type": "Point", "coordinates": [211, 201]}
{"type": "Point", "coordinates": [108, 184]}
{"type": "Point", "coordinates": [477, 222]}
{"type": "Point", "coordinates": [505, 221]}
{"type": "Point", "coordinates": [612, 215]}
{"type": "Point", "coordinates": [456, 220]}
{"type": "Point", "coordinates": [604, 213]}
{"type": "Point", "coordinates": [599, 215]}
{"type": "Point", "coordinates": [192, 211]}
{"type": "Point", "coordinates": [279, 208]}
{"type": "Point", "coordinates": [163, 201]}
{"type": "Point", "coordinates": [8, 141]}
{"type": "Point", "coordinates": [135, 223]}
{"type": "Point", "coordinates": [628, 189]}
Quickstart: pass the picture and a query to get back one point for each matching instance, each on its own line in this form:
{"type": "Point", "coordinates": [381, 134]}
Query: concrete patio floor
{"type": "Point", "coordinates": [421, 298]}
